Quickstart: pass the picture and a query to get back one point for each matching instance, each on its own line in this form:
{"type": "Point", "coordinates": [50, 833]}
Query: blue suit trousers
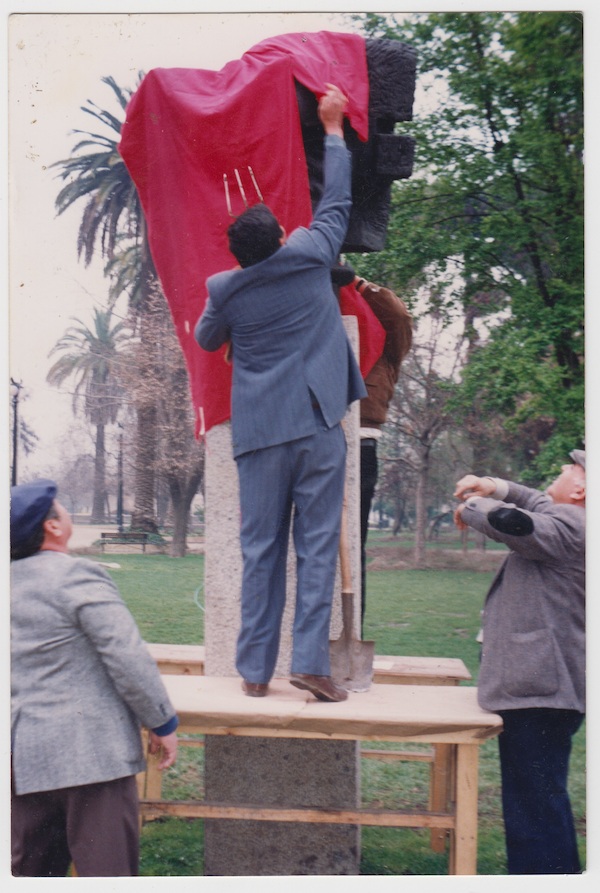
{"type": "Point", "coordinates": [303, 479]}
{"type": "Point", "coordinates": [535, 747]}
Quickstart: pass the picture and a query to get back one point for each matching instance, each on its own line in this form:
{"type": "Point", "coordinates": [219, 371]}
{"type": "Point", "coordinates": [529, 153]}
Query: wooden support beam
{"type": "Point", "coordinates": [153, 809]}
{"type": "Point", "coordinates": [409, 756]}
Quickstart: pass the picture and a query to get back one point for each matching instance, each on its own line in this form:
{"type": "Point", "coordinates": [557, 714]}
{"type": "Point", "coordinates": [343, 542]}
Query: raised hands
{"type": "Point", "coordinates": [332, 106]}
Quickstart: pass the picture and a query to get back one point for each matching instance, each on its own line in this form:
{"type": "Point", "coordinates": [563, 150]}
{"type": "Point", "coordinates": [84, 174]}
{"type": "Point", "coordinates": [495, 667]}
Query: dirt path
{"type": "Point", "coordinates": [392, 557]}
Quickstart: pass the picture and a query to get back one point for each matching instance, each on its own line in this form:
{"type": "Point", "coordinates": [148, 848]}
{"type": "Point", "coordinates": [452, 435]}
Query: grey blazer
{"type": "Point", "coordinates": [533, 652]}
{"type": "Point", "coordinates": [82, 679]}
{"type": "Point", "coordinates": [283, 319]}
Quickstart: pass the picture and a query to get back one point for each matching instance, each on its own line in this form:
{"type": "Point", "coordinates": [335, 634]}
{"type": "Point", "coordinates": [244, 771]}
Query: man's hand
{"type": "Point", "coordinates": [471, 485]}
{"type": "Point", "coordinates": [332, 106]}
{"type": "Point", "coordinates": [167, 744]}
{"type": "Point", "coordinates": [458, 521]}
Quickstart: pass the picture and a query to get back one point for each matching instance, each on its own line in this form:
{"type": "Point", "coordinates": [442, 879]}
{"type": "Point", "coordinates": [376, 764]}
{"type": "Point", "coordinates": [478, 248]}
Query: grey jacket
{"type": "Point", "coordinates": [533, 651]}
{"type": "Point", "coordinates": [283, 319]}
{"type": "Point", "coordinates": [82, 679]}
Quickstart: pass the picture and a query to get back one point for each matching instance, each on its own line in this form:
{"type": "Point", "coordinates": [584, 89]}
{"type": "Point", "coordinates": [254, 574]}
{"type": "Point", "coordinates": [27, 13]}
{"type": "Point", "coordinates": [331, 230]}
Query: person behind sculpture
{"type": "Point", "coordinates": [381, 381]}
{"type": "Point", "coordinates": [82, 682]}
{"type": "Point", "coordinates": [533, 655]}
{"type": "Point", "coordinates": [294, 376]}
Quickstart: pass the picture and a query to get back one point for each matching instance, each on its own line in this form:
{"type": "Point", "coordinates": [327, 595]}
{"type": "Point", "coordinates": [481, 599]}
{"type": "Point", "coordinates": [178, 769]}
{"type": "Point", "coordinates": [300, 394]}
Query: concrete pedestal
{"type": "Point", "coordinates": [266, 771]}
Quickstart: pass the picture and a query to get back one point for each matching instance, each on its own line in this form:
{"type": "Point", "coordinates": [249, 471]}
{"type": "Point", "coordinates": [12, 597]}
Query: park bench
{"type": "Point", "coordinates": [188, 660]}
{"type": "Point", "coordinates": [114, 538]}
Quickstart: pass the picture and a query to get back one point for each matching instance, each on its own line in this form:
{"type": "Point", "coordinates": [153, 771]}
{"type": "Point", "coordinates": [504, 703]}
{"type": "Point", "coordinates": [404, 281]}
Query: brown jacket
{"type": "Point", "coordinates": [393, 315]}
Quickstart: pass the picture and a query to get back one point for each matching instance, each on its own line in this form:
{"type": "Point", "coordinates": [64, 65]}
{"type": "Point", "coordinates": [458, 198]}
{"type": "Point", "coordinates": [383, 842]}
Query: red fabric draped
{"type": "Point", "coordinates": [371, 332]}
{"type": "Point", "coordinates": [186, 128]}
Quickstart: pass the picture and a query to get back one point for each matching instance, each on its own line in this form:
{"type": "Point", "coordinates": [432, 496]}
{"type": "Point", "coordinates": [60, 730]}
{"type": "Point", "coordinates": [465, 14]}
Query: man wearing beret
{"type": "Point", "coordinates": [533, 655]}
{"type": "Point", "coordinates": [82, 684]}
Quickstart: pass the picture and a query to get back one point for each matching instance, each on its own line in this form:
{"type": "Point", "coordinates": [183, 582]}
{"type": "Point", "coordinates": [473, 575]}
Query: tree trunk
{"type": "Point", "coordinates": [420, 513]}
{"type": "Point", "coordinates": [480, 541]}
{"type": "Point", "coordinates": [181, 500]}
{"type": "Point", "coordinates": [143, 515]}
{"type": "Point", "coordinates": [464, 541]}
{"type": "Point", "coordinates": [163, 501]}
{"type": "Point", "coordinates": [398, 516]}
{"type": "Point", "coordinates": [99, 500]}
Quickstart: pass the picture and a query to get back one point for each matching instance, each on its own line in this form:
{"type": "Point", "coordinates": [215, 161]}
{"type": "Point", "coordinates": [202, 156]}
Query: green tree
{"type": "Point", "coordinates": [96, 172]}
{"type": "Point", "coordinates": [418, 417]}
{"type": "Point", "coordinates": [91, 357]}
{"type": "Point", "coordinates": [494, 211]}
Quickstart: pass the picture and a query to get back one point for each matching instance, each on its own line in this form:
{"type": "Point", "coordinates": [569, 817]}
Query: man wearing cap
{"type": "Point", "coordinates": [82, 683]}
{"type": "Point", "coordinates": [532, 669]}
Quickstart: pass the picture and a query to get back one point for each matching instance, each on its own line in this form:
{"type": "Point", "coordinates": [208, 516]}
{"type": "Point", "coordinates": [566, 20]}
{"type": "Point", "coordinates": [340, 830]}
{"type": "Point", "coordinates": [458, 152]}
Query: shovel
{"type": "Point", "coordinates": [351, 658]}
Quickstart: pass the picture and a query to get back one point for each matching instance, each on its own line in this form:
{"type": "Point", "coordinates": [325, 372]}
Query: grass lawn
{"type": "Point", "coordinates": [433, 612]}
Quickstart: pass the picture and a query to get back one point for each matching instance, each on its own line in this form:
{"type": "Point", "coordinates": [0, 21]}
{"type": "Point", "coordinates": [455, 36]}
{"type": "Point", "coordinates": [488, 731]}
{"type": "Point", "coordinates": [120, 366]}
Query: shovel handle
{"type": "Point", "coordinates": [345, 551]}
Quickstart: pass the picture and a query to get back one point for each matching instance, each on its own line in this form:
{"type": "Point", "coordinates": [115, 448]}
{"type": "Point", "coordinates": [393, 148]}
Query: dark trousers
{"type": "Point", "coordinates": [535, 746]}
{"type": "Point", "coordinates": [368, 482]}
{"type": "Point", "coordinates": [95, 826]}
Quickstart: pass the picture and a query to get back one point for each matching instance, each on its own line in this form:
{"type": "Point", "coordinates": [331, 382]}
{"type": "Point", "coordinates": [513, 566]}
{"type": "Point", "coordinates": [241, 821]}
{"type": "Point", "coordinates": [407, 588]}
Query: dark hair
{"type": "Point", "coordinates": [34, 543]}
{"type": "Point", "coordinates": [254, 235]}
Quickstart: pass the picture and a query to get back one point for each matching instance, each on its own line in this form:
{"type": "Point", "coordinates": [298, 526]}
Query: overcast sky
{"type": "Point", "coordinates": [56, 63]}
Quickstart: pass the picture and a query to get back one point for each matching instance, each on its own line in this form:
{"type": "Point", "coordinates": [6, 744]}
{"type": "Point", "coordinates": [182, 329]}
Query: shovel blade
{"type": "Point", "coordinates": [352, 663]}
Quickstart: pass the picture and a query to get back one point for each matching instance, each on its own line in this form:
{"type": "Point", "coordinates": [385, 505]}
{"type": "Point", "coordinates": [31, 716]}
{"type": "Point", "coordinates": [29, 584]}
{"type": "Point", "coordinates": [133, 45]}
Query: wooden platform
{"type": "Point", "coordinates": [188, 660]}
{"type": "Point", "coordinates": [393, 669]}
{"type": "Point", "coordinates": [440, 715]}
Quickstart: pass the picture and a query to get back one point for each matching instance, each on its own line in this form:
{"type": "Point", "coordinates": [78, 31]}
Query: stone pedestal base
{"type": "Point", "coordinates": [293, 773]}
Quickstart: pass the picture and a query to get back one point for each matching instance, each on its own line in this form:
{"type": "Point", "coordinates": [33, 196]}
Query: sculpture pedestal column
{"type": "Point", "coordinates": [286, 772]}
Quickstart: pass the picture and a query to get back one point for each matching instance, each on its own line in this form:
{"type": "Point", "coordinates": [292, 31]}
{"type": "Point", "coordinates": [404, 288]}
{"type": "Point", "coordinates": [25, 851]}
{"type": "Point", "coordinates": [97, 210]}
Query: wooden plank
{"type": "Point", "coordinates": [163, 651]}
{"type": "Point", "coordinates": [387, 669]}
{"type": "Point", "coordinates": [417, 756]}
{"type": "Point", "coordinates": [439, 790]}
{"type": "Point", "coordinates": [185, 660]}
{"type": "Point", "coordinates": [153, 777]}
{"type": "Point", "coordinates": [405, 670]}
{"type": "Point", "coordinates": [429, 714]}
{"type": "Point", "coordinates": [153, 809]}
{"type": "Point", "coordinates": [464, 848]}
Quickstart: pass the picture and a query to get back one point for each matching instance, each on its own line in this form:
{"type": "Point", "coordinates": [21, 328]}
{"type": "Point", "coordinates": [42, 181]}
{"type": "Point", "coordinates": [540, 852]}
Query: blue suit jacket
{"type": "Point", "coordinates": [284, 323]}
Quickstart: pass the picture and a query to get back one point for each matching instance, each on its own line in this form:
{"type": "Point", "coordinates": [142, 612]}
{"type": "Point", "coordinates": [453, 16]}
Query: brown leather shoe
{"type": "Point", "coordinates": [322, 687]}
{"type": "Point", "coordinates": [255, 689]}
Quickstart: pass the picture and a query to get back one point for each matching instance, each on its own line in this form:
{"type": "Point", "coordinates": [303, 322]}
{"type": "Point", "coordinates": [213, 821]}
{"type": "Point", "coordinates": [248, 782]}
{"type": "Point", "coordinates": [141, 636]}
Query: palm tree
{"type": "Point", "coordinates": [113, 203]}
{"type": "Point", "coordinates": [91, 357]}
{"type": "Point", "coordinates": [113, 212]}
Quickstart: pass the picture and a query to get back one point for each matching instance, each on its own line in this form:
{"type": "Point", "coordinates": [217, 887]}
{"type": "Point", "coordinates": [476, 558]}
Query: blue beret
{"type": "Point", "coordinates": [29, 505]}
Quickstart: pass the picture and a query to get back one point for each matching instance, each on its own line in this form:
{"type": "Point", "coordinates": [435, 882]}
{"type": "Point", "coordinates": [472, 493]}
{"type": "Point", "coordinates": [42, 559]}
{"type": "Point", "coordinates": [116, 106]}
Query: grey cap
{"type": "Point", "coordinates": [578, 456]}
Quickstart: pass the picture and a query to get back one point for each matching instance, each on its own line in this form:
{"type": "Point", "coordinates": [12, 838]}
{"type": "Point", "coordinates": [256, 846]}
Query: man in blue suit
{"type": "Point", "coordinates": [294, 376]}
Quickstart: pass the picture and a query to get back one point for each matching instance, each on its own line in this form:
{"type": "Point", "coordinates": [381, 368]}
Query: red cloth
{"type": "Point", "coordinates": [370, 331]}
{"type": "Point", "coordinates": [185, 128]}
